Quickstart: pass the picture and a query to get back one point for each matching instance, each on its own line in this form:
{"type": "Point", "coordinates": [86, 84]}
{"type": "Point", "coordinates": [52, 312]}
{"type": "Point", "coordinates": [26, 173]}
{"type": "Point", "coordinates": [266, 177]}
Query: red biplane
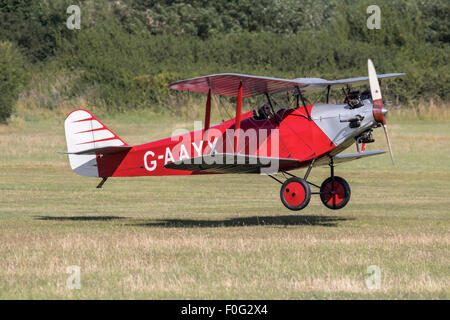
{"type": "Point", "coordinates": [267, 140]}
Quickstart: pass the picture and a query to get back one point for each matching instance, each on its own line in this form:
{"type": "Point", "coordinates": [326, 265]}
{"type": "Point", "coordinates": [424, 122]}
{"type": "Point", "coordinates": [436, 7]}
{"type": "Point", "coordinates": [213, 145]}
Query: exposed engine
{"type": "Point", "coordinates": [355, 98]}
{"type": "Point", "coordinates": [365, 137]}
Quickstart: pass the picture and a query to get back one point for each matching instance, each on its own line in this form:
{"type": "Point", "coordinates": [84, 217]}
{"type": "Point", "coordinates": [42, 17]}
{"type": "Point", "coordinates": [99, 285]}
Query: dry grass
{"type": "Point", "coordinates": [221, 237]}
{"type": "Point", "coordinates": [425, 110]}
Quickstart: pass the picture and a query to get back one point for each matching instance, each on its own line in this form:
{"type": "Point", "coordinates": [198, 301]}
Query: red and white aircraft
{"type": "Point", "coordinates": [263, 141]}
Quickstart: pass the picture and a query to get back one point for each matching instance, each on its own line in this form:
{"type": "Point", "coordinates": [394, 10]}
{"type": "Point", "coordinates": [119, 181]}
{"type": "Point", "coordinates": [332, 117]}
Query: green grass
{"type": "Point", "coordinates": [221, 237]}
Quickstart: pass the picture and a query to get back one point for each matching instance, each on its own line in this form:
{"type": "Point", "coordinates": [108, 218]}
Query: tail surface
{"type": "Point", "coordinates": [86, 138]}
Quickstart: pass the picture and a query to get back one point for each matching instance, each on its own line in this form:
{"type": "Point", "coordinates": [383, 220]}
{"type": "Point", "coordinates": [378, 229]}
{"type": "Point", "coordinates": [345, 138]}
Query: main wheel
{"type": "Point", "coordinates": [295, 193]}
{"type": "Point", "coordinates": [335, 196]}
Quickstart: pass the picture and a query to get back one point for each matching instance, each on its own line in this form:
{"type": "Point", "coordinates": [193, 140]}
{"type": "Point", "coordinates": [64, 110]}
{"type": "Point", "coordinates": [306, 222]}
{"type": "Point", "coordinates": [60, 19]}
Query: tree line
{"type": "Point", "coordinates": [126, 52]}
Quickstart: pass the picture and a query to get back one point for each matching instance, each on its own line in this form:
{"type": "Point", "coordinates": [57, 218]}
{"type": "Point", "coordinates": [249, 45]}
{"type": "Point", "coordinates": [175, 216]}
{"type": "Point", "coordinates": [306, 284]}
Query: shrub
{"type": "Point", "coordinates": [12, 78]}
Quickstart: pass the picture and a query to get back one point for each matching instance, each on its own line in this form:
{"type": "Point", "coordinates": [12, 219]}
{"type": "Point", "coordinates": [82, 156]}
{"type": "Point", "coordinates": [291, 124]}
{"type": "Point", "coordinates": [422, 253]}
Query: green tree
{"type": "Point", "coordinates": [12, 78]}
{"type": "Point", "coordinates": [35, 26]}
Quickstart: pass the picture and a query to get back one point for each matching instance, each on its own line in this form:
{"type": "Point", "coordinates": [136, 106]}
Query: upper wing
{"type": "Point", "coordinates": [227, 84]}
{"type": "Point", "coordinates": [233, 163]}
{"type": "Point", "coordinates": [362, 80]}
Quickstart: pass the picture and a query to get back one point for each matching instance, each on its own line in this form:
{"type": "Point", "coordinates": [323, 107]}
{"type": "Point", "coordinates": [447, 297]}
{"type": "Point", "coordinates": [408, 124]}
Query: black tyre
{"type": "Point", "coordinates": [295, 193]}
{"type": "Point", "coordinates": [337, 197]}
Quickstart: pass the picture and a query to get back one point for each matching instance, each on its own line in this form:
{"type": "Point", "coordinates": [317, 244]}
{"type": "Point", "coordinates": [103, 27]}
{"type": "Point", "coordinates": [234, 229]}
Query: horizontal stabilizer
{"type": "Point", "coordinates": [232, 163]}
{"type": "Point", "coordinates": [104, 150]}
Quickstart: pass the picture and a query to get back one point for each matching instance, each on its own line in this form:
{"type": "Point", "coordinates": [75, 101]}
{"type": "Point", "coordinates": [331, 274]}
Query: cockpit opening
{"type": "Point", "coordinates": [263, 112]}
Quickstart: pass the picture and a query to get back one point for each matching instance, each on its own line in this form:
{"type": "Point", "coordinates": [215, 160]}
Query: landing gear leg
{"type": "Point", "coordinates": [102, 182]}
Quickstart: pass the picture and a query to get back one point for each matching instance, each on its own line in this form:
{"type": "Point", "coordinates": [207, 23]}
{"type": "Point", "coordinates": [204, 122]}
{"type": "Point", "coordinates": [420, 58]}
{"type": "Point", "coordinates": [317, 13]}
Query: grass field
{"type": "Point", "coordinates": [221, 237]}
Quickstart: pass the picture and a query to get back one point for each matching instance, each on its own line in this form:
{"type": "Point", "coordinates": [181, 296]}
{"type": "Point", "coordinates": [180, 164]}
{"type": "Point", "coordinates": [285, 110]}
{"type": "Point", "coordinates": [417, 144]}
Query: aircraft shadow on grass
{"type": "Point", "coordinates": [324, 221]}
{"type": "Point", "coordinates": [80, 218]}
{"type": "Point", "coordinates": [283, 221]}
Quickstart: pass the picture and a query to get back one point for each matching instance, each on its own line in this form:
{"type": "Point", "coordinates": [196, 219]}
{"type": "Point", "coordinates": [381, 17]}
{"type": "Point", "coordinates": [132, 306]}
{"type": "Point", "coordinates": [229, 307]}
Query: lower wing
{"type": "Point", "coordinates": [234, 163]}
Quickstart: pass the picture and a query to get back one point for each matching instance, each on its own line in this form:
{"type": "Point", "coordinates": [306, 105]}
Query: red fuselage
{"type": "Point", "coordinates": [297, 138]}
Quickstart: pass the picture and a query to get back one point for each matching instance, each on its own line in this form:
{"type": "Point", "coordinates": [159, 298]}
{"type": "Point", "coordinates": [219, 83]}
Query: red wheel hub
{"type": "Point", "coordinates": [339, 193]}
{"type": "Point", "coordinates": [294, 193]}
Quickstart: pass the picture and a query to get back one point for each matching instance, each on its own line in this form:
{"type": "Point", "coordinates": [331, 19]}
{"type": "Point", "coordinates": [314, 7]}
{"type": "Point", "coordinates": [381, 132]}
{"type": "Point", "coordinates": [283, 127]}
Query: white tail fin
{"type": "Point", "coordinates": [85, 132]}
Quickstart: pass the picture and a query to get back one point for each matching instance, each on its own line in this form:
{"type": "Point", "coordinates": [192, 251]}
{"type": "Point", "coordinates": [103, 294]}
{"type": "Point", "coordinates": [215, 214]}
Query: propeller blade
{"type": "Point", "coordinates": [388, 143]}
{"type": "Point", "coordinates": [379, 111]}
{"type": "Point", "coordinates": [373, 82]}
{"type": "Point", "coordinates": [378, 106]}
